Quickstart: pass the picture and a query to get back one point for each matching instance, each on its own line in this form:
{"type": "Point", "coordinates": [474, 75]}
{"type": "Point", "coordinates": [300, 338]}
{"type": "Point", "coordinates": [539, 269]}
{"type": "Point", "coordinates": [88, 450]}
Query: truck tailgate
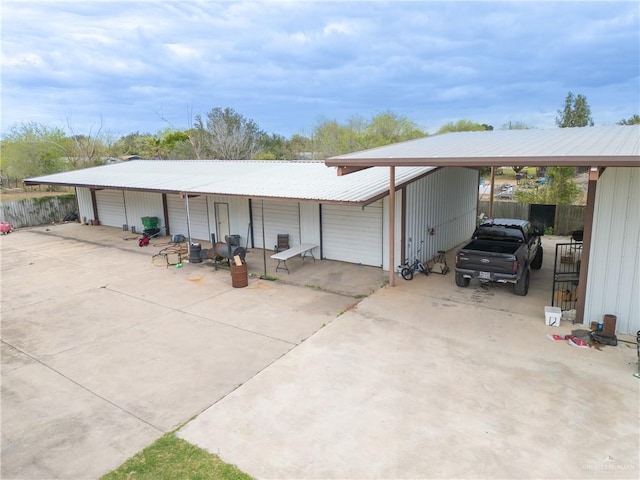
{"type": "Point", "coordinates": [486, 262]}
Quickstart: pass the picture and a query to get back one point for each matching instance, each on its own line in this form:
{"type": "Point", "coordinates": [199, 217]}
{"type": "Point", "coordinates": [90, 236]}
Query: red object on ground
{"type": "Point", "coordinates": [5, 228]}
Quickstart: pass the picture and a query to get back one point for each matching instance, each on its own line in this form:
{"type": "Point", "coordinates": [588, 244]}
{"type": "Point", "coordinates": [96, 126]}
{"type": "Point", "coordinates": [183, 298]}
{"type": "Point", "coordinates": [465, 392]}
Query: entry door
{"type": "Point", "coordinates": [222, 221]}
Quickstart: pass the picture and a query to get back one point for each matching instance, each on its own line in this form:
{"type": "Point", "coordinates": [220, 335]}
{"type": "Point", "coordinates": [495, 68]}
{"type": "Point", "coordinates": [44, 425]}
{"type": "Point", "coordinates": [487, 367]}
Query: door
{"type": "Point", "coordinates": [222, 221]}
{"type": "Point", "coordinates": [111, 209]}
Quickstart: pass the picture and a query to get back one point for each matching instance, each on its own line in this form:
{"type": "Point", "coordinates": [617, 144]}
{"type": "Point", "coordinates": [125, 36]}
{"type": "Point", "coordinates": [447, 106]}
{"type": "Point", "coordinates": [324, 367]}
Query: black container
{"type": "Point", "coordinates": [194, 253]}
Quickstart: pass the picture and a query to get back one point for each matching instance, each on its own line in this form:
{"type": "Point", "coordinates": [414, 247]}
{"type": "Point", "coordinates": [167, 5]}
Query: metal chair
{"type": "Point", "coordinates": [283, 243]}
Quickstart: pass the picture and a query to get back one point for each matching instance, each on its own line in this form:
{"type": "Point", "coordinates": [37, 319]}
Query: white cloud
{"type": "Point", "coordinates": [286, 63]}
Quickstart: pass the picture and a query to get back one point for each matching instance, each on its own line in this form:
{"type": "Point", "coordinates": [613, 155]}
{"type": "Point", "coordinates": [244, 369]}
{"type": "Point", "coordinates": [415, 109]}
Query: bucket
{"type": "Point", "coordinates": [239, 276]}
{"type": "Point", "coordinates": [194, 253]}
{"type": "Point", "coordinates": [609, 325]}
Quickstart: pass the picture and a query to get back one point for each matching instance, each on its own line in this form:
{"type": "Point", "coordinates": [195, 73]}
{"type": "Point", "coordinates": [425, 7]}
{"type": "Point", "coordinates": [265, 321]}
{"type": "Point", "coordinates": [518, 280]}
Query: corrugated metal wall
{"type": "Point", "coordinates": [238, 216]}
{"type": "Point", "coordinates": [445, 201]}
{"type": "Point", "coordinates": [614, 264]}
{"type": "Point", "coordinates": [85, 207]}
{"type": "Point", "coordinates": [352, 233]}
{"type": "Point", "coordinates": [143, 204]}
{"type": "Point", "coordinates": [280, 217]}
{"type": "Point", "coordinates": [198, 214]}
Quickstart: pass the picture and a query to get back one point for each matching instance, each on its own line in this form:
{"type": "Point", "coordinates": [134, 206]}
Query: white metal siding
{"type": "Point", "coordinates": [111, 211]}
{"type": "Point", "coordinates": [279, 217]}
{"type": "Point", "coordinates": [85, 206]}
{"type": "Point", "coordinates": [143, 204]}
{"type": "Point", "coordinates": [614, 263]}
{"type": "Point", "coordinates": [197, 213]}
{"type": "Point", "coordinates": [238, 216]}
{"type": "Point", "coordinates": [353, 234]}
{"type": "Point", "coordinates": [445, 201]}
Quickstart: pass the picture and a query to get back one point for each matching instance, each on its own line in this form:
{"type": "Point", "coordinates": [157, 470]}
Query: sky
{"type": "Point", "coordinates": [144, 66]}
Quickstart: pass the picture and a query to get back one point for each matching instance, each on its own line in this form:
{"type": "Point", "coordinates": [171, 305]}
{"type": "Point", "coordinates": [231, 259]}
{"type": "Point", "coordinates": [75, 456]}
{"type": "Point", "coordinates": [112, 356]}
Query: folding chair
{"type": "Point", "coordinates": [283, 243]}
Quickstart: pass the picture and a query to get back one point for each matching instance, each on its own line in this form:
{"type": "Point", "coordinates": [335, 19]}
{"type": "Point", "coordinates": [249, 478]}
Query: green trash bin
{"type": "Point", "coordinates": [150, 222]}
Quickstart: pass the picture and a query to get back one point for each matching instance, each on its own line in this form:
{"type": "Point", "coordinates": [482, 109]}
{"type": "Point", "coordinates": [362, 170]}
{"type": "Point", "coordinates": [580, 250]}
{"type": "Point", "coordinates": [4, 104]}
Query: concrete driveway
{"type": "Point", "coordinates": [427, 380]}
{"type": "Point", "coordinates": [103, 352]}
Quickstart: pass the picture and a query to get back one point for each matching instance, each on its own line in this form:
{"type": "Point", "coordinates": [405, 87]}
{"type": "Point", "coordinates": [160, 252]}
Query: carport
{"type": "Point", "coordinates": [616, 148]}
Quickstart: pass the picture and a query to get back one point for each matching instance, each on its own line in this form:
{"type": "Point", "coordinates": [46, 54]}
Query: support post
{"type": "Point", "coordinates": [586, 245]}
{"type": "Point", "coordinates": [491, 191]}
{"type": "Point", "coordinates": [392, 224]}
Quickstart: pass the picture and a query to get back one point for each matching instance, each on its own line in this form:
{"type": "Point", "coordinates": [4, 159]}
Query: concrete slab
{"type": "Point", "coordinates": [103, 352]}
{"type": "Point", "coordinates": [427, 380]}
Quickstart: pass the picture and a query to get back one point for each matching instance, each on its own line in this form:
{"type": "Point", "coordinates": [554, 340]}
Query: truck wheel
{"type": "Point", "coordinates": [537, 260]}
{"type": "Point", "coordinates": [462, 281]}
{"type": "Point", "coordinates": [522, 286]}
{"type": "Point", "coordinates": [407, 273]}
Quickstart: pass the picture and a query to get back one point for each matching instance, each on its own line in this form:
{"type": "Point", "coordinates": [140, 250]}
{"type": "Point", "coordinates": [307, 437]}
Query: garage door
{"type": "Point", "coordinates": [197, 213]}
{"type": "Point", "coordinates": [111, 211]}
{"type": "Point", "coordinates": [279, 217]}
{"type": "Point", "coordinates": [352, 234]}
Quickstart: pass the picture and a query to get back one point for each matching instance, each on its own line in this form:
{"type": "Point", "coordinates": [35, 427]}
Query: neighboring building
{"type": "Point", "coordinates": [609, 274]}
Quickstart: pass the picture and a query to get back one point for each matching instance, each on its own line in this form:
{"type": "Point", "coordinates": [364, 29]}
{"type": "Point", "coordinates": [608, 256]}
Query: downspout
{"type": "Point", "coordinates": [392, 223]}
{"type": "Point", "coordinates": [586, 244]}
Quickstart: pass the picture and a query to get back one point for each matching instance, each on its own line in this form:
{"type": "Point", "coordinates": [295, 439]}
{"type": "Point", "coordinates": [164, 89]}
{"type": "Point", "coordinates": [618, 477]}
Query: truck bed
{"type": "Point", "coordinates": [491, 246]}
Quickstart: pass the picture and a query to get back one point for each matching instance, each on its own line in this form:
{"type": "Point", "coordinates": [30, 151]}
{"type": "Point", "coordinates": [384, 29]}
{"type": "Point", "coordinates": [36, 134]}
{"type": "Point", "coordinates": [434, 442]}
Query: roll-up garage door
{"type": "Point", "coordinates": [197, 213]}
{"type": "Point", "coordinates": [111, 211]}
{"type": "Point", "coordinates": [279, 217]}
{"type": "Point", "coordinates": [353, 234]}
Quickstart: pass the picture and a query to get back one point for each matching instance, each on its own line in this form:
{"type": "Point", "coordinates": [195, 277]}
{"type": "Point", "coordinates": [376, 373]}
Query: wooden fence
{"type": "Point", "coordinates": [567, 218]}
{"type": "Point", "coordinates": [31, 212]}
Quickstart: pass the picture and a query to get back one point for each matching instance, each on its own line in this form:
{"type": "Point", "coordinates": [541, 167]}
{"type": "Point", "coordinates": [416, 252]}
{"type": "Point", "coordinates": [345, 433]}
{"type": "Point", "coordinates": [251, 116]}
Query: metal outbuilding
{"type": "Point", "coordinates": [609, 279]}
{"type": "Point", "coordinates": [347, 216]}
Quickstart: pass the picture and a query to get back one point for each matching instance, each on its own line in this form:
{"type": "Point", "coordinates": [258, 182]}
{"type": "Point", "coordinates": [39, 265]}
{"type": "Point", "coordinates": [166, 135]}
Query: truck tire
{"type": "Point", "coordinates": [537, 260]}
{"type": "Point", "coordinates": [522, 286]}
{"type": "Point", "coordinates": [462, 281]}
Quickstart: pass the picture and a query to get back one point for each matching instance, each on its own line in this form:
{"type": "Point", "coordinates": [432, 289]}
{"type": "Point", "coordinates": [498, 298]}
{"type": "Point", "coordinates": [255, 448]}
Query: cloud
{"type": "Point", "coordinates": [286, 64]}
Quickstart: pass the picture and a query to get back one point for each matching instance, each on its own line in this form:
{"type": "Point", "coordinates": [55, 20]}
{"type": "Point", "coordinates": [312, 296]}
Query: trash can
{"type": "Point", "coordinates": [239, 275]}
{"type": "Point", "coordinates": [194, 253]}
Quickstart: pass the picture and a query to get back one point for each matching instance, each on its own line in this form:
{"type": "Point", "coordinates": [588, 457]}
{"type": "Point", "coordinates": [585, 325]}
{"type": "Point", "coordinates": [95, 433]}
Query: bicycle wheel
{"type": "Point", "coordinates": [406, 273]}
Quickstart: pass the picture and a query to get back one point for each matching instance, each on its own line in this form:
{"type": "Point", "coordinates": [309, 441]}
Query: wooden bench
{"type": "Point", "coordinates": [305, 251]}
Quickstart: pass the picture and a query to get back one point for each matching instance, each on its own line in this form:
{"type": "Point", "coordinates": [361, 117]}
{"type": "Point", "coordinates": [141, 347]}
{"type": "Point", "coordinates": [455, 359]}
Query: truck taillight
{"type": "Point", "coordinates": [514, 268]}
{"type": "Point", "coordinates": [457, 256]}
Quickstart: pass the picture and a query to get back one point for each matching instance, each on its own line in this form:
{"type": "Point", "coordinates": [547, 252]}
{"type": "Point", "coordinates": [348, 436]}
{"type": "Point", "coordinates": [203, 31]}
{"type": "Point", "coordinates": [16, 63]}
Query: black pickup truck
{"type": "Point", "coordinates": [501, 250]}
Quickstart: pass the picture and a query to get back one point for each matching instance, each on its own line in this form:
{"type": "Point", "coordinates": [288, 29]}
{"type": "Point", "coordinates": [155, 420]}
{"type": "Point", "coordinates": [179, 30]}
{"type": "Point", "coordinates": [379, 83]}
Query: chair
{"type": "Point", "coordinates": [283, 243]}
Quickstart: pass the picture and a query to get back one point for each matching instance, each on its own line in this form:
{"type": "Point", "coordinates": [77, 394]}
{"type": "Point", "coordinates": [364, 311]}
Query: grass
{"type": "Point", "coordinates": [171, 458]}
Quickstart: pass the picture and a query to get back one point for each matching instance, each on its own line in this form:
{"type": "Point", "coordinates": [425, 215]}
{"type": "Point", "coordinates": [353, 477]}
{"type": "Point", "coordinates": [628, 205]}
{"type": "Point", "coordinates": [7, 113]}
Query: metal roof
{"type": "Point", "coordinates": [246, 178]}
{"type": "Point", "coordinates": [588, 146]}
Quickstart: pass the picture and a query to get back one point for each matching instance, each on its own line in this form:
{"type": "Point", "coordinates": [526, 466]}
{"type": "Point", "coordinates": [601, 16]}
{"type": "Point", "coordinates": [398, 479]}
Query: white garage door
{"type": "Point", "coordinates": [279, 217]}
{"type": "Point", "coordinates": [197, 213]}
{"type": "Point", "coordinates": [352, 234]}
{"type": "Point", "coordinates": [111, 211]}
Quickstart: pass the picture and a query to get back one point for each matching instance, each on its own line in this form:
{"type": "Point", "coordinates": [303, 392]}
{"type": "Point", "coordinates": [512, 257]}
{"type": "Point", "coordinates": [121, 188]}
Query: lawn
{"type": "Point", "coordinates": [170, 458]}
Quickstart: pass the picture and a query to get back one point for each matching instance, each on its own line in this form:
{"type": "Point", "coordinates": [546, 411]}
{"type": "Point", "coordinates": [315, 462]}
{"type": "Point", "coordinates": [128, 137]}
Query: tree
{"type": "Point", "coordinates": [86, 150]}
{"type": "Point", "coordinates": [560, 190]}
{"type": "Point", "coordinates": [515, 126]}
{"type": "Point", "coordinates": [635, 120]}
{"type": "Point", "coordinates": [330, 138]}
{"type": "Point", "coordinates": [225, 134]}
{"type": "Point", "coordinates": [32, 149]}
{"type": "Point", "coordinates": [463, 126]}
{"type": "Point", "coordinates": [576, 112]}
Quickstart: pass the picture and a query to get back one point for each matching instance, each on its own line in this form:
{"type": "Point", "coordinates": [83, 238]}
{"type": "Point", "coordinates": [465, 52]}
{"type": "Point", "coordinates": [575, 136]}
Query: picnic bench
{"type": "Point", "coordinates": [305, 251]}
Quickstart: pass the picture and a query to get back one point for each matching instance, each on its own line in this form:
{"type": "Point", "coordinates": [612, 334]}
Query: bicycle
{"type": "Point", "coordinates": [407, 269]}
